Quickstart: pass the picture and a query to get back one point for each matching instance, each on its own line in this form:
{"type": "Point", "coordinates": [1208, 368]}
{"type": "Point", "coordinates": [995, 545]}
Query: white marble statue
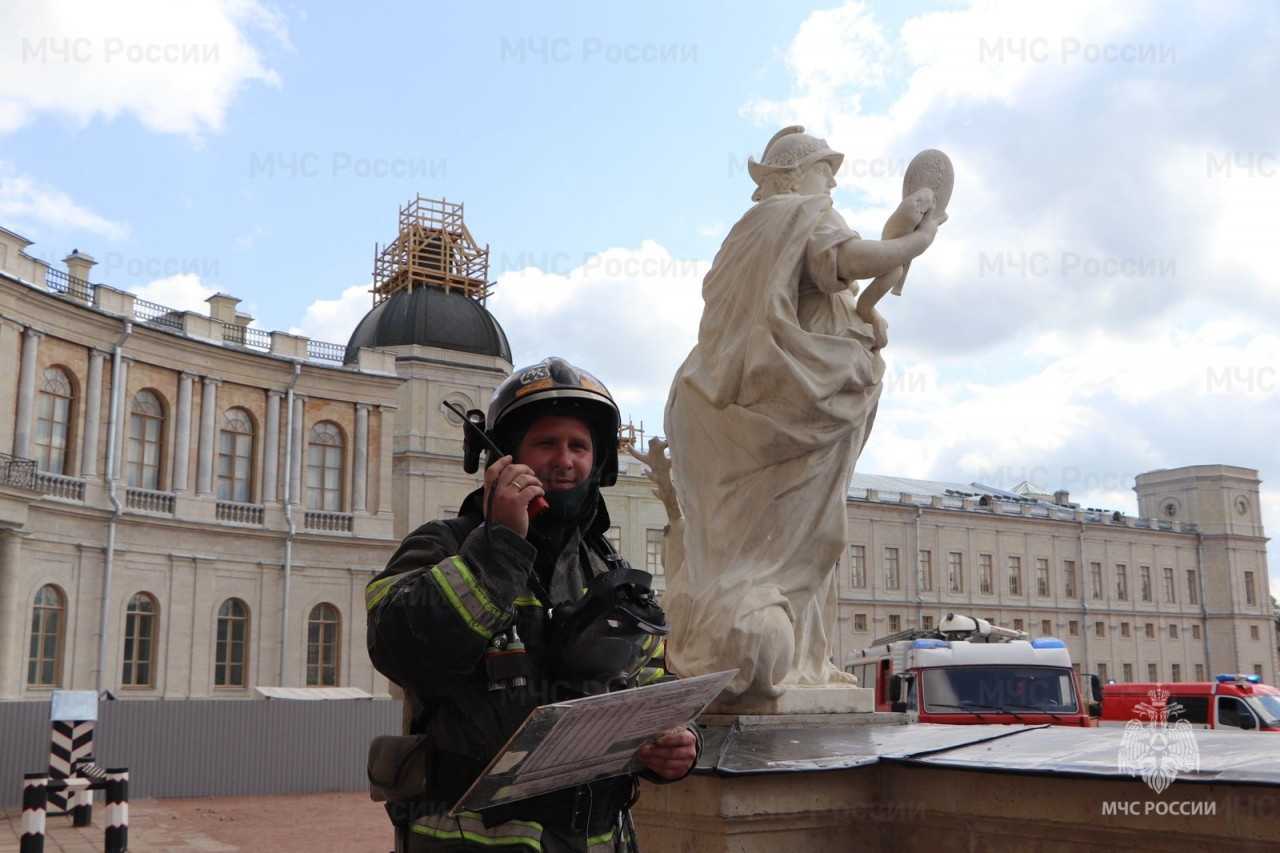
{"type": "Point", "coordinates": [768, 414]}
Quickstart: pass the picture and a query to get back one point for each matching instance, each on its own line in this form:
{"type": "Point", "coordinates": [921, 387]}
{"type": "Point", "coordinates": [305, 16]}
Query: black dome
{"type": "Point", "coordinates": [432, 317]}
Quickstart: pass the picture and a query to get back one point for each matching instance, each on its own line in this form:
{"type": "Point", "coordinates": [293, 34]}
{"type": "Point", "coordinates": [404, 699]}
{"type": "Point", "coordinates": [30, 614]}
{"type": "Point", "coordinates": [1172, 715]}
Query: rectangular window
{"type": "Point", "coordinates": [1195, 633]}
{"type": "Point", "coordinates": [1124, 629]}
{"type": "Point", "coordinates": [1015, 576]}
{"type": "Point", "coordinates": [139, 642]}
{"type": "Point", "coordinates": [1102, 672]}
{"type": "Point", "coordinates": [926, 622]}
{"type": "Point", "coordinates": [1170, 592]}
{"type": "Point", "coordinates": [234, 460]}
{"type": "Point", "coordinates": [926, 571]}
{"type": "Point", "coordinates": [1017, 625]}
{"type": "Point", "coordinates": [1253, 632]}
{"type": "Point", "coordinates": [230, 646]}
{"type": "Point", "coordinates": [1122, 582]}
{"type": "Point", "coordinates": [858, 566]}
{"type": "Point", "coordinates": [892, 577]}
{"type": "Point", "coordinates": [955, 571]}
{"type": "Point", "coordinates": [1153, 672]}
{"type": "Point", "coordinates": [1193, 587]}
{"type": "Point", "coordinates": [860, 622]}
{"type": "Point", "coordinates": [1150, 629]}
{"type": "Point", "coordinates": [1127, 669]}
{"type": "Point", "coordinates": [1095, 579]}
{"type": "Point", "coordinates": [1200, 672]}
{"type": "Point", "coordinates": [1257, 669]}
{"type": "Point", "coordinates": [1046, 627]}
{"type": "Point", "coordinates": [1069, 578]}
{"type": "Point", "coordinates": [985, 574]}
{"type": "Point", "coordinates": [895, 623]}
{"type": "Point", "coordinates": [1144, 582]}
{"type": "Point", "coordinates": [1173, 631]}
{"type": "Point", "coordinates": [614, 537]}
{"type": "Point", "coordinates": [1176, 672]}
{"type": "Point", "coordinates": [1250, 594]}
{"type": "Point", "coordinates": [1073, 628]}
{"type": "Point", "coordinates": [653, 551]}
{"type": "Point", "coordinates": [1100, 629]}
{"type": "Point", "coordinates": [1042, 577]}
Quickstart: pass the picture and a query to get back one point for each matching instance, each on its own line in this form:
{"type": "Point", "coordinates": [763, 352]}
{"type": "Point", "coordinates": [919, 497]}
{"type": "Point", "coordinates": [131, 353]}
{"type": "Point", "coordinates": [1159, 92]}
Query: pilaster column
{"type": "Point", "coordinates": [386, 432]}
{"type": "Point", "coordinates": [360, 462]}
{"type": "Point", "coordinates": [13, 616]}
{"type": "Point", "coordinates": [122, 413]}
{"type": "Point", "coordinates": [299, 449]}
{"type": "Point", "coordinates": [271, 449]}
{"type": "Point", "coordinates": [182, 433]}
{"type": "Point", "coordinates": [208, 415]}
{"type": "Point", "coordinates": [26, 392]}
{"type": "Point", "coordinates": [92, 414]}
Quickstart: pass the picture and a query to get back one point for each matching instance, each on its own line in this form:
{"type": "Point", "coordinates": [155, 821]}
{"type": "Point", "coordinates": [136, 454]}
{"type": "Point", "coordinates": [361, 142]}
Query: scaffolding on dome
{"type": "Point", "coordinates": [434, 248]}
{"type": "Point", "coordinates": [629, 436]}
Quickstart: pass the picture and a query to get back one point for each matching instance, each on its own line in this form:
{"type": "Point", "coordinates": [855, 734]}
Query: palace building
{"type": "Point", "coordinates": [190, 507]}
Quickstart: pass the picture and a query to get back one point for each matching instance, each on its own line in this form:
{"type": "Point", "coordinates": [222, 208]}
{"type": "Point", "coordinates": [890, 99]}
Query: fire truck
{"type": "Point", "coordinates": [1230, 702]}
{"type": "Point", "coordinates": [968, 671]}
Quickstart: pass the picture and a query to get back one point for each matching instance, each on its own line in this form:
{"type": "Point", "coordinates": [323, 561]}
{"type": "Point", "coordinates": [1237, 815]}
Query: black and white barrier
{"type": "Point", "coordinates": [72, 716]}
{"type": "Point", "coordinates": [117, 833]}
{"type": "Point", "coordinates": [35, 797]}
{"type": "Point", "coordinates": [36, 789]}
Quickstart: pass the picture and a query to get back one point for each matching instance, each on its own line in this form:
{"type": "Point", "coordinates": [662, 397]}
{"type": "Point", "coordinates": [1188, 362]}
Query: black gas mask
{"type": "Point", "coordinates": [601, 642]}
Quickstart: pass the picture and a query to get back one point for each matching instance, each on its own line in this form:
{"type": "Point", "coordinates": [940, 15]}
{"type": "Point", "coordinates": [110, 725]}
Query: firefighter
{"type": "Point", "coordinates": [482, 617]}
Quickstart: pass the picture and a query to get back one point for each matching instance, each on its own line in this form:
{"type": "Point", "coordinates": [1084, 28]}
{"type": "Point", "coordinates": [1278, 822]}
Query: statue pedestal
{"type": "Point", "coordinates": [836, 699]}
{"type": "Point", "coordinates": [870, 784]}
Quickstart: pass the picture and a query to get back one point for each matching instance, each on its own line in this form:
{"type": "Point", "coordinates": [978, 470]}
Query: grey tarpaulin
{"type": "Point", "coordinates": [1240, 757]}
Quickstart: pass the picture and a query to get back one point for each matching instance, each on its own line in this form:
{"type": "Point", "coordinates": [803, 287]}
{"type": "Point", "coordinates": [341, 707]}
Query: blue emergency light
{"type": "Point", "coordinates": [929, 644]}
{"type": "Point", "coordinates": [1047, 643]}
{"type": "Point", "coordinates": [1228, 679]}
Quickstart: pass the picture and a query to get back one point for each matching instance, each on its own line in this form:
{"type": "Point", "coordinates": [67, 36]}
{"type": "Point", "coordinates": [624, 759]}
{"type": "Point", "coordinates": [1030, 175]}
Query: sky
{"type": "Point", "coordinates": [1100, 303]}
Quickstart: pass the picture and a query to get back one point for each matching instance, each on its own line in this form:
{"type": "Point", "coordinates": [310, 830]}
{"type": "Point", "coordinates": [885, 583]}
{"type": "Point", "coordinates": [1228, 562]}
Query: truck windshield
{"type": "Point", "coordinates": [1267, 707]}
{"type": "Point", "coordinates": [1010, 689]}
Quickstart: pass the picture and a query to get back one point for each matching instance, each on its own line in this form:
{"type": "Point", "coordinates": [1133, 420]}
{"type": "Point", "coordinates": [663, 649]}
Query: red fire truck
{"type": "Point", "coordinates": [1230, 702]}
{"type": "Point", "coordinates": [969, 671]}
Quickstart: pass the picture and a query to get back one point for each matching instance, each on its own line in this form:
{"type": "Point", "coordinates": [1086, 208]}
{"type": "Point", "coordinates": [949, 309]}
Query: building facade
{"type": "Point", "coordinates": [1177, 593]}
{"type": "Point", "coordinates": [189, 507]}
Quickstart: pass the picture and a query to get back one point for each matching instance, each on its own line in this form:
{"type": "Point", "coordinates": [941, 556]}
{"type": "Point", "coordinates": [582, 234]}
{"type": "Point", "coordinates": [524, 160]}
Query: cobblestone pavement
{"type": "Point", "coordinates": [347, 822]}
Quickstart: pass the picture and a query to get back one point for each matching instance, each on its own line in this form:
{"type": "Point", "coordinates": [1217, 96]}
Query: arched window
{"type": "Point", "coordinates": [231, 655]}
{"type": "Point", "coordinates": [235, 457]}
{"type": "Point", "coordinates": [53, 422]}
{"type": "Point", "coordinates": [324, 628]}
{"type": "Point", "coordinates": [139, 642]}
{"type": "Point", "coordinates": [146, 432]}
{"type": "Point", "coordinates": [324, 467]}
{"type": "Point", "coordinates": [44, 660]}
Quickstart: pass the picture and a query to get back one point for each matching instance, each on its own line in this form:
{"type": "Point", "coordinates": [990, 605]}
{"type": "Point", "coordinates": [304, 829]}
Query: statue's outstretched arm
{"type": "Point", "coordinates": [864, 259]}
{"type": "Point", "coordinates": [659, 471]}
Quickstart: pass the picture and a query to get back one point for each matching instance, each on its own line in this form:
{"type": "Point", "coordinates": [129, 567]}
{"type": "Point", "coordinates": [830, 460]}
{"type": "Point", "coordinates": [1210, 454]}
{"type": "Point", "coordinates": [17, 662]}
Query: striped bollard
{"type": "Point", "coordinates": [117, 809]}
{"type": "Point", "coordinates": [71, 742]}
{"type": "Point", "coordinates": [35, 797]}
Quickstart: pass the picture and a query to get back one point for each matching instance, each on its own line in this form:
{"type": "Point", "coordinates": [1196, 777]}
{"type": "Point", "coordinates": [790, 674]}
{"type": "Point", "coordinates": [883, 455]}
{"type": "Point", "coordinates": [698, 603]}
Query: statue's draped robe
{"type": "Point", "coordinates": [765, 419]}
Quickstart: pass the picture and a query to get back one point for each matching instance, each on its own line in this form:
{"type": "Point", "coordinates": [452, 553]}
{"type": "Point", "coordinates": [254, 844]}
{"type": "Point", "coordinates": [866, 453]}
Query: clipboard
{"type": "Point", "coordinates": [581, 740]}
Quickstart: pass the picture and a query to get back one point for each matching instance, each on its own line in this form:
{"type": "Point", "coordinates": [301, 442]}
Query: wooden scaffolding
{"type": "Point", "coordinates": [434, 248]}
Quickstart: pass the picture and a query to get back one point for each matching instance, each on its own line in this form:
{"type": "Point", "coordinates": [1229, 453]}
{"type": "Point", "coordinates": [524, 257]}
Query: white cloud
{"type": "Point", "coordinates": [174, 66]}
{"type": "Point", "coordinates": [183, 292]}
{"type": "Point", "coordinates": [627, 315]}
{"type": "Point", "coordinates": [333, 320]}
{"type": "Point", "coordinates": [26, 199]}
